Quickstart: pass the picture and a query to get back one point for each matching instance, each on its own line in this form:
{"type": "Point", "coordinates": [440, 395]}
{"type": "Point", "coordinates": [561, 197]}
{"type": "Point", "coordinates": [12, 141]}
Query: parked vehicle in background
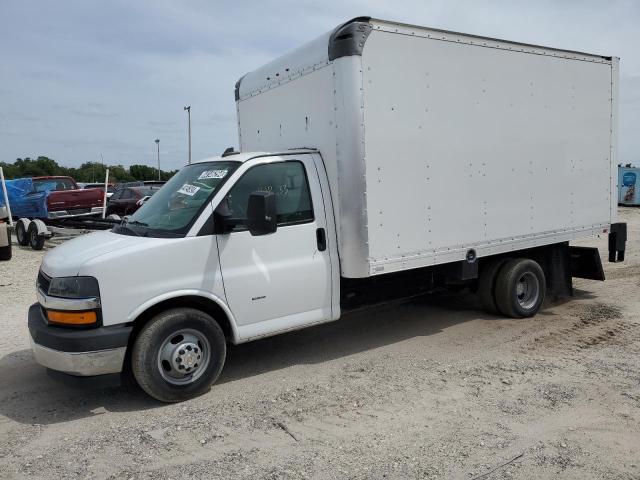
{"type": "Point", "coordinates": [127, 200]}
{"type": "Point", "coordinates": [122, 185]}
{"type": "Point", "coordinates": [50, 198]}
{"type": "Point", "coordinates": [154, 183]}
{"type": "Point", "coordinates": [378, 161]}
{"type": "Point", "coordinates": [110, 187]}
{"type": "Point", "coordinates": [65, 199]}
{"type": "Point", "coordinates": [140, 183]}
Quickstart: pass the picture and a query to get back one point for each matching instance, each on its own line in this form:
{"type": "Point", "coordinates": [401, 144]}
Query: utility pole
{"type": "Point", "coordinates": [188, 109]}
{"type": "Point", "coordinates": [158, 144]}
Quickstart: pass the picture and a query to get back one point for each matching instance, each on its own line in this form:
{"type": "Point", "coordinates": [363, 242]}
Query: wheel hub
{"type": "Point", "coordinates": [527, 290]}
{"type": "Point", "coordinates": [183, 356]}
{"type": "Point", "coordinates": [186, 356]}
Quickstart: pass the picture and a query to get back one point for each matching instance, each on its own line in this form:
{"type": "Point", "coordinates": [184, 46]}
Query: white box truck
{"type": "Point", "coordinates": [380, 160]}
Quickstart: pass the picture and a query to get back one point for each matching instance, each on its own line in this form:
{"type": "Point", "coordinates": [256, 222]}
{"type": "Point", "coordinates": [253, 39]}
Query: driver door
{"type": "Point", "coordinates": [281, 280]}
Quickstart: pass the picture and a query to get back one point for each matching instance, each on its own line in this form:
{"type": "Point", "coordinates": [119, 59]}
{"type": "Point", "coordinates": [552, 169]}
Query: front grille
{"type": "Point", "coordinates": [43, 282]}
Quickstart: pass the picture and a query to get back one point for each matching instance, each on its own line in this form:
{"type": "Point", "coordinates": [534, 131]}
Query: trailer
{"type": "Point", "coordinates": [629, 185]}
{"type": "Point", "coordinates": [379, 161]}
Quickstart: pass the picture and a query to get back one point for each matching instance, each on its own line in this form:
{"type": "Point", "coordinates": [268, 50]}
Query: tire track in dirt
{"type": "Point", "coordinates": [593, 325]}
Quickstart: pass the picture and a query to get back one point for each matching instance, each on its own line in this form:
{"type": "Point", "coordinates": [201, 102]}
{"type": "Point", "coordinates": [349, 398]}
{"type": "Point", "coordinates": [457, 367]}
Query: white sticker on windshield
{"type": "Point", "coordinates": [212, 174]}
{"type": "Point", "coordinates": [190, 190]}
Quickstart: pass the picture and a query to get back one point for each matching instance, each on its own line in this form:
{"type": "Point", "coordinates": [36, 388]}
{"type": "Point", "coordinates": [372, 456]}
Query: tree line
{"type": "Point", "coordinates": [90, 172]}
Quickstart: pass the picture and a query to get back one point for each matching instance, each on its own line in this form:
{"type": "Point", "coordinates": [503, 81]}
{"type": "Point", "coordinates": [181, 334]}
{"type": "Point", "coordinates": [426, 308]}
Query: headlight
{"type": "Point", "coordinates": [74, 287]}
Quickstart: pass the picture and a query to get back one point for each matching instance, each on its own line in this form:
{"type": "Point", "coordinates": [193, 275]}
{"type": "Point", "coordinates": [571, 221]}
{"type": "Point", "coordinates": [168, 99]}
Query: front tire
{"type": "Point", "coordinates": [178, 355]}
{"type": "Point", "coordinates": [520, 288]}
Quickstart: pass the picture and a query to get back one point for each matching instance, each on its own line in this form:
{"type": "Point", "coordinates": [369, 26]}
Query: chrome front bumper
{"type": "Point", "coordinates": [83, 364]}
{"type": "Point", "coordinates": [65, 214]}
{"type": "Point", "coordinates": [82, 352]}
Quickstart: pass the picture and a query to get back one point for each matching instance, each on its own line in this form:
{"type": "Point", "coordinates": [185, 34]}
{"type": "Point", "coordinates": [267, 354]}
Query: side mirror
{"type": "Point", "coordinates": [261, 213]}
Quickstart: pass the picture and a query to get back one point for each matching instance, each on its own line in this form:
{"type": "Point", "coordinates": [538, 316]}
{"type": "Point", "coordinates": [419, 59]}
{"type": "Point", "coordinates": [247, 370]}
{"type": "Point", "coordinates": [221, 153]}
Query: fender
{"type": "Point", "coordinates": [187, 293]}
{"type": "Point", "coordinates": [42, 227]}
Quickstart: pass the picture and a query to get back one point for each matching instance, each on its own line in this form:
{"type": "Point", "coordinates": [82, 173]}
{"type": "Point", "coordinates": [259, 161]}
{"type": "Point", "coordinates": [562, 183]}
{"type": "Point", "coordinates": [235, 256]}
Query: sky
{"type": "Point", "coordinates": [83, 78]}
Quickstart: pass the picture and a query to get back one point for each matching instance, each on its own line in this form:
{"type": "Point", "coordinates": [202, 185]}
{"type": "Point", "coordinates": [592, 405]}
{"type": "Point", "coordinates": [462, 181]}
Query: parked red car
{"type": "Point", "coordinates": [66, 199]}
{"type": "Point", "coordinates": [127, 200]}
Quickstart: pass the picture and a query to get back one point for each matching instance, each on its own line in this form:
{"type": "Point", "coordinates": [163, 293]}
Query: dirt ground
{"type": "Point", "coordinates": [431, 388]}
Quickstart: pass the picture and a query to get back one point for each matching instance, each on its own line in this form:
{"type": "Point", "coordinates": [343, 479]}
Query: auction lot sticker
{"type": "Point", "coordinates": [190, 190]}
{"type": "Point", "coordinates": [212, 174]}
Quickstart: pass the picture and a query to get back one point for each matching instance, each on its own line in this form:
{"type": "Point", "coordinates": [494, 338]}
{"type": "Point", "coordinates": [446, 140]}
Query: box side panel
{"type": "Point", "coordinates": [295, 115]}
{"type": "Point", "coordinates": [313, 111]}
{"type": "Point", "coordinates": [470, 146]}
{"type": "Point", "coordinates": [354, 244]}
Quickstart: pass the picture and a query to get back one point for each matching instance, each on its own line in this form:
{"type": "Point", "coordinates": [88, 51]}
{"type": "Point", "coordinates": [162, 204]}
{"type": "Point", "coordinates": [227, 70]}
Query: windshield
{"type": "Point", "coordinates": [56, 184]}
{"type": "Point", "coordinates": [172, 209]}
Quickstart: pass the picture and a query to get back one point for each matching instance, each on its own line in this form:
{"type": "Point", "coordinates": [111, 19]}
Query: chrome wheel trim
{"type": "Point", "coordinates": [184, 356]}
{"type": "Point", "coordinates": [527, 290]}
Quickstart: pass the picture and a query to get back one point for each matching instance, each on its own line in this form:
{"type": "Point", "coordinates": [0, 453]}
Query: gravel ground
{"type": "Point", "coordinates": [431, 388]}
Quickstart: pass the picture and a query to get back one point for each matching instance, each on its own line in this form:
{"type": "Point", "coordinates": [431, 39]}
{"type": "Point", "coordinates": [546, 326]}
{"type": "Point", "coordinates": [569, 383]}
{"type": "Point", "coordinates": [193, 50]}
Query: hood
{"type": "Point", "coordinates": [66, 260]}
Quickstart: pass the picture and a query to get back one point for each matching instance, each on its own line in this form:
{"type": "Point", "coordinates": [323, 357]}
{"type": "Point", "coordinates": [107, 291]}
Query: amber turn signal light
{"type": "Point", "coordinates": [72, 318]}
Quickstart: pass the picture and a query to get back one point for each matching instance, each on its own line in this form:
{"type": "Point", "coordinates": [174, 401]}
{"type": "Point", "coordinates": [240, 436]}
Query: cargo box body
{"type": "Point", "coordinates": [437, 143]}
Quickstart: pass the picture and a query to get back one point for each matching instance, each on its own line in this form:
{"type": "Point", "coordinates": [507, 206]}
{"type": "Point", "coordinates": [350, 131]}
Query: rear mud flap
{"type": "Point", "coordinates": [585, 263]}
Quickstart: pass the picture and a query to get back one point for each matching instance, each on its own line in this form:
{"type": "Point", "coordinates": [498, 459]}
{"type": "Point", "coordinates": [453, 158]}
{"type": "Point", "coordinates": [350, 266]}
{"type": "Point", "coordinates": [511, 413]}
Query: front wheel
{"type": "Point", "coordinates": [178, 355]}
{"type": "Point", "coordinates": [520, 288]}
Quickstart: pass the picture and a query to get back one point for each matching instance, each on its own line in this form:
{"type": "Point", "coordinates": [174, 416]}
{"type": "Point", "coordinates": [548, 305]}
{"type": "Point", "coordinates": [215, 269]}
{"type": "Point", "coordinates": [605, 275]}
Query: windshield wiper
{"type": "Point", "coordinates": [123, 226]}
{"type": "Point", "coordinates": [136, 222]}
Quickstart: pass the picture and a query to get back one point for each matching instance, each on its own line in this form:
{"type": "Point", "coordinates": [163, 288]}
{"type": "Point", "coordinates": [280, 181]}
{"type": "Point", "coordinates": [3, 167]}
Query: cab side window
{"type": "Point", "coordinates": [287, 180]}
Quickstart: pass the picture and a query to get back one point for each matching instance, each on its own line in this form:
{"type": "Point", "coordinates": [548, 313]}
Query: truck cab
{"type": "Point", "coordinates": [247, 240]}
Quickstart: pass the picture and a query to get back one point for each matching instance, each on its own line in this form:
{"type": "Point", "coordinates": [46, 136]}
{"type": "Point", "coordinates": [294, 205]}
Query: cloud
{"type": "Point", "coordinates": [90, 77]}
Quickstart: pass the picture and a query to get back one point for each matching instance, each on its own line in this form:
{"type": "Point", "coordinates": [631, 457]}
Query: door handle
{"type": "Point", "coordinates": [321, 238]}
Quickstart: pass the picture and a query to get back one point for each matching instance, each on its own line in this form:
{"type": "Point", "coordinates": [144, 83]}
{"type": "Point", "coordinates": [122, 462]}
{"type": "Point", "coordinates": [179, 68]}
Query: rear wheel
{"type": "Point", "coordinates": [178, 355]}
{"type": "Point", "coordinates": [520, 288]}
{"type": "Point", "coordinates": [487, 284]}
{"type": "Point", "coordinates": [21, 232]}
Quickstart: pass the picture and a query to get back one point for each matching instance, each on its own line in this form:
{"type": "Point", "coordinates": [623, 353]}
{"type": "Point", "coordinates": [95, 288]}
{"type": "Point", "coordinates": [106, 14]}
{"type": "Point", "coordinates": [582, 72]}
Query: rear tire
{"type": "Point", "coordinates": [520, 288]}
{"type": "Point", "coordinates": [21, 232]}
{"type": "Point", "coordinates": [36, 239]}
{"type": "Point", "coordinates": [171, 341]}
{"type": "Point", "coordinates": [487, 284]}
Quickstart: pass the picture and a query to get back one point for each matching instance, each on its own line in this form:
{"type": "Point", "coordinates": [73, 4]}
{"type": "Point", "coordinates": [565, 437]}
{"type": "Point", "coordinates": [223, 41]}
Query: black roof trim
{"type": "Point", "coordinates": [348, 39]}
{"type": "Point", "coordinates": [237, 89]}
